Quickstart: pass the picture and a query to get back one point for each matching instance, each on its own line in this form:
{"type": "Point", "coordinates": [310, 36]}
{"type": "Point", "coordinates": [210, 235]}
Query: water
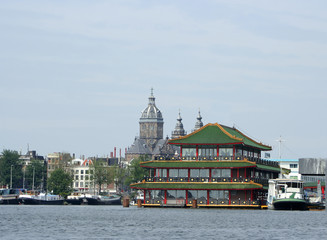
{"type": "Point", "coordinates": [116, 222]}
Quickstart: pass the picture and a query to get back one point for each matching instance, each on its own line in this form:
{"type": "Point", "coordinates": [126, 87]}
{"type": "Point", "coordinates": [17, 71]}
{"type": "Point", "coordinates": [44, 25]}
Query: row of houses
{"type": "Point", "coordinates": [80, 168]}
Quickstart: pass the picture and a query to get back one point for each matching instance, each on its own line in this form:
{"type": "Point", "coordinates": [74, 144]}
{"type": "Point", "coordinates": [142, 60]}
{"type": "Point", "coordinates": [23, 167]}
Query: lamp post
{"type": "Point", "coordinates": [33, 178]}
{"type": "Point", "coordinates": [11, 176]}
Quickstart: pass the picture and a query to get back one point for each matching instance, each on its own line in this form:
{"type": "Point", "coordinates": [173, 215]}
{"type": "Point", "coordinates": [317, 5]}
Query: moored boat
{"type": "Point", "coordinates": [103, 200]}
{"type": "Point", "coordinates": [41, 199]}
{"type": "Point", "coordinates": [10, 196]}
{"type": "Point", "coordinates": [286, 194]}
{"type": "Point", "coordinates": [75, 199]}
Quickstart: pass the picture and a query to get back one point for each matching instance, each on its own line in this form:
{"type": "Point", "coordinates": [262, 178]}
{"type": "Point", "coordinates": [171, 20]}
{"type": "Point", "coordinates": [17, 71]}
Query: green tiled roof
{"type": "Point", "coordinates": [217, 134]}
{"type": "Point", "coordinates": [195, 186]}
{"type": "Point", "coordinates": [268, 168]}
{"type": "Point", "coordinates": [197, 164]}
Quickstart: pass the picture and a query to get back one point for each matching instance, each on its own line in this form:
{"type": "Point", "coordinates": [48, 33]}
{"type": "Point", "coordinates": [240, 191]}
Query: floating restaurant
{"type": "Point", "coordinates": [217, 166]}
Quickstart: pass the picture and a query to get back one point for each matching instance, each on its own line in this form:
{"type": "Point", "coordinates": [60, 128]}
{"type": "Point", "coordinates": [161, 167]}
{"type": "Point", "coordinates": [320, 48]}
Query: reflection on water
{"type": "Point", "coordinates": [116, 222]}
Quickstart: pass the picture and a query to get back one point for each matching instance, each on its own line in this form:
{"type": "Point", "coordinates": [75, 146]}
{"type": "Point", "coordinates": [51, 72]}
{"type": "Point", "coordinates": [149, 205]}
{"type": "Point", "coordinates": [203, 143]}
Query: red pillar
{"type": "Point", "coordinates": [217, 152]}
{"type": "Point", "coordinates": [165, 201]}
{"type": "Point", "coordinates": [238, 173]}
{"type": "Point", "coordinates": [229, 197]}
{"type": "Point", "coordinates": [186, 198]}
{"type": "Point", "coordinates": [234, 152]}
{"type": "Point", "coordinates": [251, 194]}
{"type": "Point", "coordinates": [189, 175]}
{"type": "Point", "coordinates": [210, 174]}
{"type": "Point", "coordinates": [197, 152]}
{"type": "Point", "coordinates": [181, 153]}
{"type": "Point", "coordinates": [208, 195]}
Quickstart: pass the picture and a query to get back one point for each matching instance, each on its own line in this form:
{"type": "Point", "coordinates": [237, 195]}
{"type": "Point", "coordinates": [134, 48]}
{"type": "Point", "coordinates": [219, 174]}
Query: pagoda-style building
{"type": "Point", "coordinates": [218, 166]}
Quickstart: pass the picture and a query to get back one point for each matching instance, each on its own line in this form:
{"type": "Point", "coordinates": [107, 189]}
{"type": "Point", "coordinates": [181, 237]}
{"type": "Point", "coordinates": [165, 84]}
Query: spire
{"type": "Point", "coordinates": [179, 128]}
{"type": "Point", "coordinates": [199, 123]}
{"type": "Point", "coordinates": [152, 98]}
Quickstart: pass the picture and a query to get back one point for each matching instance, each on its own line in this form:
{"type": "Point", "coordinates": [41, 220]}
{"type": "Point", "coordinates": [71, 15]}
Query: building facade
{"type": "Point", "coordinates": [217, 165]}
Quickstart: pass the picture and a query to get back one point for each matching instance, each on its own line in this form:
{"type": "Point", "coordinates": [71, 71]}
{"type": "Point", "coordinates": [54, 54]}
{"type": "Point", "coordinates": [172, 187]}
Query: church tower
{"type": "Point", "coordinates": [199, 123]}
{"type": "Point", "coordinates": [151, 124]}
{"type": "Point", "coordinates": [179, 128]}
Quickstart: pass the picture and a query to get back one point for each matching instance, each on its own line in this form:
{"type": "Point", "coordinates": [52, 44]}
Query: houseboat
{"type": "Point", "coordinates": [217, 166]}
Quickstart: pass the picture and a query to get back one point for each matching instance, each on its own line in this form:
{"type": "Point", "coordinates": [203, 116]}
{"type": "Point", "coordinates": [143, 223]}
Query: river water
{"type": "Point", "coordinates": [116, 222]}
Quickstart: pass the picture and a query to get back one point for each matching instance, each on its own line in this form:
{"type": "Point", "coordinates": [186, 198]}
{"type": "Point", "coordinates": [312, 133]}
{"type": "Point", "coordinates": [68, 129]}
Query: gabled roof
{"type": "Point", "coordinates": [214, 133]}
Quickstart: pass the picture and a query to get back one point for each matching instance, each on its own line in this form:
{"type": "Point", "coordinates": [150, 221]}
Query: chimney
{"type": "Point", "coordinates": [115, 152]}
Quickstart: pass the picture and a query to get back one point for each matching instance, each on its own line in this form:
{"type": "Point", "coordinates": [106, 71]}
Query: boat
{"type": "Point", "coordinates": [10, 195]}
{"type": "Point", "coordinates": [103, 200]}
{"type": "Point", "coordinates": [316, 200]}
{"type": "Point", "coordinates": [286, 194]}
{"type": "Point", "coordinates": [41, 199]}
{"type": "Point", "coordinates": [75, 199]}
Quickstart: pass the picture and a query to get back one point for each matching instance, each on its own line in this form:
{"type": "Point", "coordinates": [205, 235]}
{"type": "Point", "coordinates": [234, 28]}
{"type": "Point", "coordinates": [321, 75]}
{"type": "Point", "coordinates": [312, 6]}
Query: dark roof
{"type": "Point", "coordinates": [139, 147]}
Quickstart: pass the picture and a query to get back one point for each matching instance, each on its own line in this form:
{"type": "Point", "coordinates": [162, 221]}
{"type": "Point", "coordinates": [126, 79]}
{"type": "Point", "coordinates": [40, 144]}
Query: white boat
{"type": "Point", "coordinates": [286, 194]}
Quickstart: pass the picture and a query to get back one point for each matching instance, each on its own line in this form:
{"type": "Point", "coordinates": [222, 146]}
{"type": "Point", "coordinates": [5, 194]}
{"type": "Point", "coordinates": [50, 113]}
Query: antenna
{"type": "Point", "coordinates": [280, 140]}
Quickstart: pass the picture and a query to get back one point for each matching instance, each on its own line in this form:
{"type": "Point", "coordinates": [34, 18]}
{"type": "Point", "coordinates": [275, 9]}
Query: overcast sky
{"type": "Point", "coordinates": [75, 75]}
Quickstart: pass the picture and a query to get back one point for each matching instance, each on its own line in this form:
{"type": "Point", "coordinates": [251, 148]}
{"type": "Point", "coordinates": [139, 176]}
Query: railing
{"type": "Point", "coordinates": [219, 158]}
{"type": "Point", "coordinates": [263, 181]}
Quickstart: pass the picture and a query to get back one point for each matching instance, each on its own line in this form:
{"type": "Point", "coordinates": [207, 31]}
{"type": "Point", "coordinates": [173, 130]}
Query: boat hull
{"type": "Point", "coordinates": [110, 201]}
{"type": "Point", "coordinates": [290, 204]}
{"type": "Point", "coordinates": [9, 200]}
{"type": "Point", "coordinates": [74, 201]}
{"type": "Point", "coordinates": [31, 201]}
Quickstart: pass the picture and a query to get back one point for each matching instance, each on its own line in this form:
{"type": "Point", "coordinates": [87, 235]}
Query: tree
{"type": "Point", "coordinates": [120, 178]}
{"type": "Point", "coordinates": [60, 182]}
{"type": "Point", "coordinates": [38, 169]}
{"type": "Point", "coordinates": [11, 169]}
{"type": "Point", "coordinates": [102, 174]}
{"type": "Point", "coordinates": [136, 172]}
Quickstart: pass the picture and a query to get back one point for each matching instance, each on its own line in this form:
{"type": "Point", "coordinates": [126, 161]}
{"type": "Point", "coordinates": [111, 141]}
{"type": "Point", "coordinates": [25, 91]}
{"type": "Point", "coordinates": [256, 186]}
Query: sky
{"type": "Point", "coordinates": [76, 75]}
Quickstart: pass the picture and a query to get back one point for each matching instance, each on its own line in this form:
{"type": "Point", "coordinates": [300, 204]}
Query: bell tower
{"type": "Point", "coordinates": [151, 123]}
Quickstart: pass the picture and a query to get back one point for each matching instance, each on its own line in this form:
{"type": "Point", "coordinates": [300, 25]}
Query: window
{"type": "Point", "coordinates": [195, 173]}
{"type": "Point", "coordinates": [215, 173]}
{"type": "Point", "coordinates": [77, 171]}
{"type": "Point", "coordinates": [82, 171]}
{"type": "Point", "coordinates": [294, 165]}
{"type": "Point", "coordinates": [183, 173]}
{"type": "Point", "coordinates": [86, 171]}
{"type": "Point", "coordinates": [173, 172]}
{"type": "Point", "coordinates": [225, 172]}
{"type": "Point", "coordinates": [204, 173]}
{"type": "Point", "coordinates": [161, 172]}
{"type": "Point", "coordinates": [82, 177]}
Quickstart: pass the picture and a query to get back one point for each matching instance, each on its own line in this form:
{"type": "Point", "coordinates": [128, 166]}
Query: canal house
{"type": "Point", "coordinates": [217, 166]}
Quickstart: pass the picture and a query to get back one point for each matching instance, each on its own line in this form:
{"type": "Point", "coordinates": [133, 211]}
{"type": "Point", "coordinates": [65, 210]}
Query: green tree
{"type": "Point", "coordinates": [120, 178]}
{"type": "Point", "coordinates": [38, 169]}
{"type": "Point", "coordinates": [102, 174]}
{"type": "Point", "coordinates": [11, 169]}
{"type": "Point", "coordinates": [136, 172]}
{"type": "Point", "coordinates": [60, 182]}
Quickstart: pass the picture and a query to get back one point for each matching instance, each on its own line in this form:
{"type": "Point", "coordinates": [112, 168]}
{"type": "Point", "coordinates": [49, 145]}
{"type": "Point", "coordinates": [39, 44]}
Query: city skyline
{"type": "Point", "coordinates": [75, 76]}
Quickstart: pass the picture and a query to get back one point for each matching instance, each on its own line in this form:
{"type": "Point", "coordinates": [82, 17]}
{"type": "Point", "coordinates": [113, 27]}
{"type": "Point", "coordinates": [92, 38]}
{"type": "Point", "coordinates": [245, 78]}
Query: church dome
{"type": "Point", "coordinates": [151, 112]}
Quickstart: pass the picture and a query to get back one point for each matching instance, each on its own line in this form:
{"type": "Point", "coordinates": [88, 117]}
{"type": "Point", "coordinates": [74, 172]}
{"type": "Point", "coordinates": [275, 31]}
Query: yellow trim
{"type": "Point", "coordinates": [252, 139]}
{"type": "Point", "coordinates": [224, 205]}
{"type": "Point", "coordinates": [196, 161]}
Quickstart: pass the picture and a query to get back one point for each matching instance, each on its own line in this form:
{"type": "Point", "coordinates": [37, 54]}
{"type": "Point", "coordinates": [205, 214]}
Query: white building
{"type": "Point", "coordinates": [291, 164]}
{"type": "Point", "coordinates": [82, 175]}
